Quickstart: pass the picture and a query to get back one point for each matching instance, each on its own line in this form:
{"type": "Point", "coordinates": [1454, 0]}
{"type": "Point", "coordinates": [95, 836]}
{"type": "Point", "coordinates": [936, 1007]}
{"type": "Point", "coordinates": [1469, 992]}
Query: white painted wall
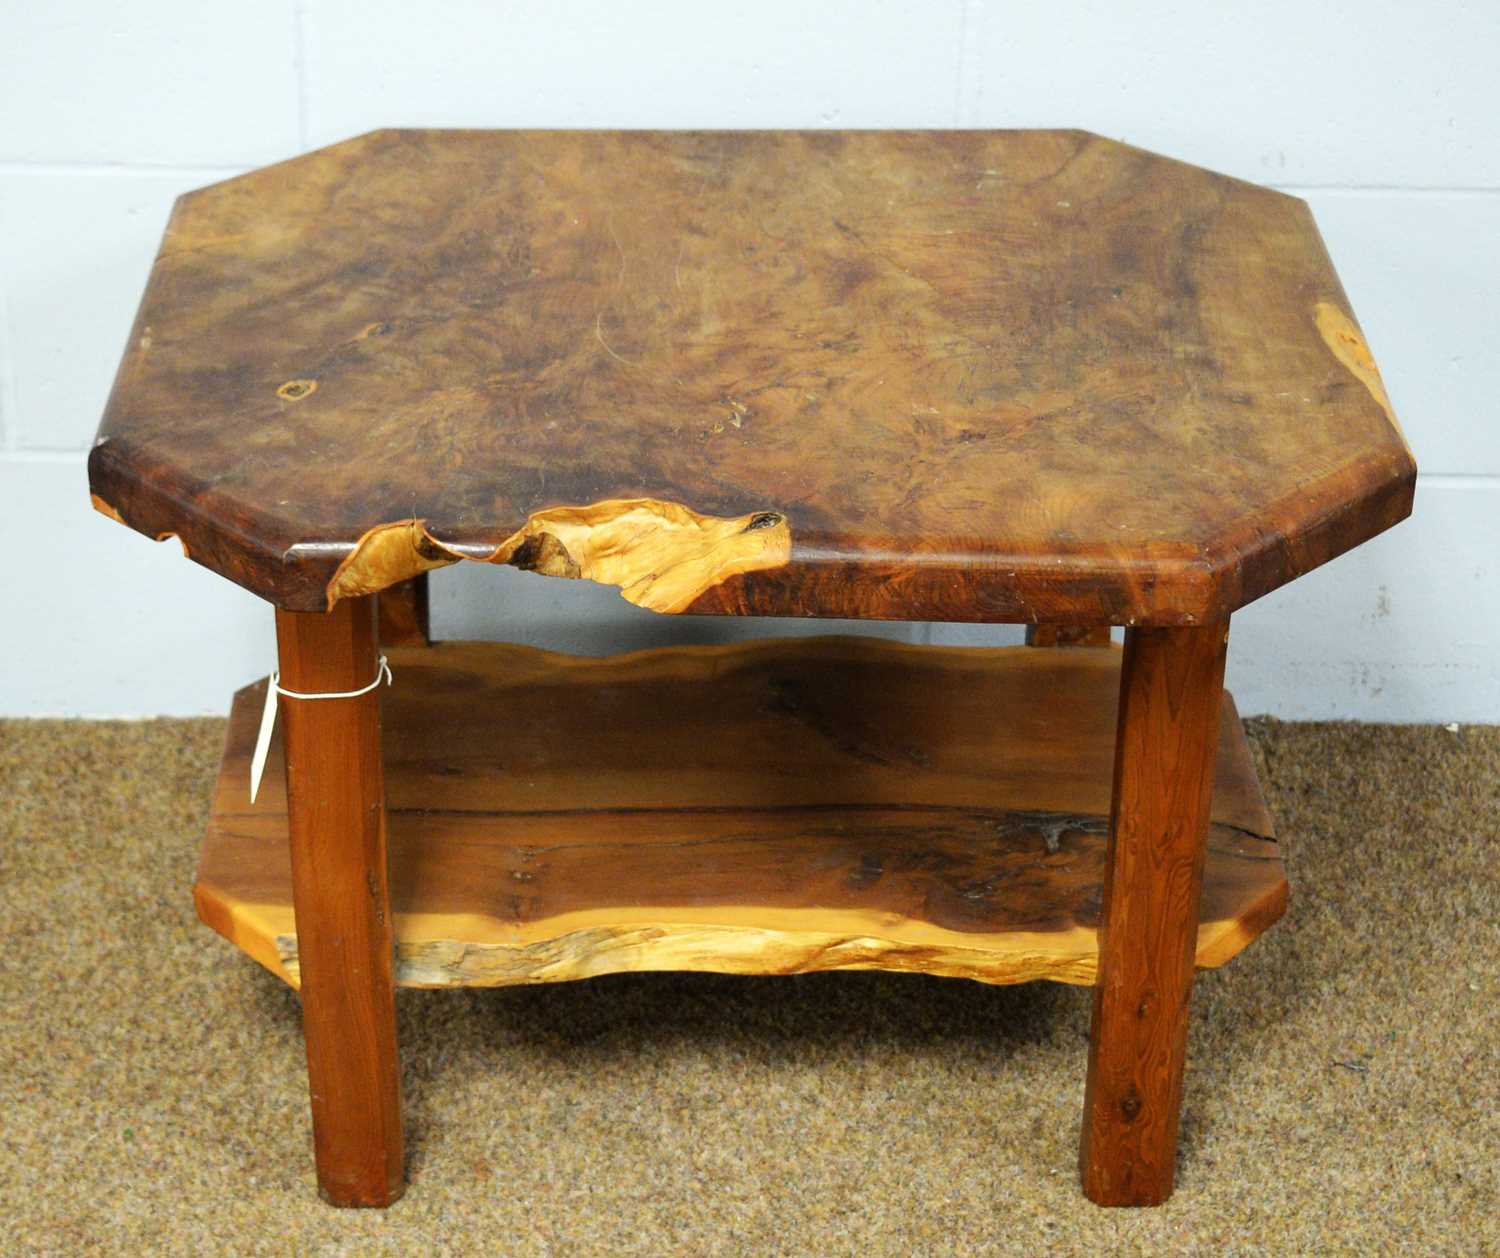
{"type": "Point", "coordinates": [1381, 114]}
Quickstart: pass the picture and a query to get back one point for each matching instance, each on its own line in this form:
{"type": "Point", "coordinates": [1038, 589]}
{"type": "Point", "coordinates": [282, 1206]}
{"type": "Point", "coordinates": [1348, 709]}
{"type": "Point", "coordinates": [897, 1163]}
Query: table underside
{"type": "Point", "coordinates": [772, 807]}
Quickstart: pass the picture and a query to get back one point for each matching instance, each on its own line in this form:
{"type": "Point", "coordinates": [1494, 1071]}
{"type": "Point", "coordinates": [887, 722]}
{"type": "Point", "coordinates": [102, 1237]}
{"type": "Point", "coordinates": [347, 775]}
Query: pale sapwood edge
{"type": "Point", "coordinates": [1342, 336]}
{"type": "Point", "coordinates": [104, 508]}
{"type": "Point", "coordinates": [588, 943]}
{"type": "Point", "coordinates": [506, 888]}
{"type": "Point", "coordinates": [661, 555]}
{"type": "Point", "coordinates": [1066, 956]}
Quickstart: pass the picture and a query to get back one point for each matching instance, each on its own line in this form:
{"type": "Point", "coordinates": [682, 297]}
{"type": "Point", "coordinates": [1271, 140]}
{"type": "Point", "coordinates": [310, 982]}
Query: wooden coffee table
{"type": "Point", "coordinates": [1026, 377]}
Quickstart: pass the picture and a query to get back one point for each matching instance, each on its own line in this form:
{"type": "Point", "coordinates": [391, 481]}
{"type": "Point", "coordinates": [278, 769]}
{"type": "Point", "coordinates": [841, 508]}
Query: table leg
{"type": "Point", "coordinates": [1067, 635]}
{"type": "Point", "coordinates": [1170, 688]}
{"type": "Point", "coordinates": [403, 613]}
{"type": "Point", "coordinates": [335, 799]}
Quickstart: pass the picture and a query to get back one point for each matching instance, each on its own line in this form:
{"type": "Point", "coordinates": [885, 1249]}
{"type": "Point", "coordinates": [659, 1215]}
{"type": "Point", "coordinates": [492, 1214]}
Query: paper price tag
{"type": "Point", "coordinates": [263, 739]}
{"type": "Point", "coordinates": [274, 692]}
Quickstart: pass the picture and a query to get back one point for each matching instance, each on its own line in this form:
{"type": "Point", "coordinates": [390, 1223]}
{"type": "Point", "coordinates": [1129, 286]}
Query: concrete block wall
{"type": "Point", "coordinates": [1379, 114]}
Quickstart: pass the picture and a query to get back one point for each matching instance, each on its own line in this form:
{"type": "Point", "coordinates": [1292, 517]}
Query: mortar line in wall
{"type": "Point", "coordinates": [118, 169]}
{"type": "Point", "coordinates": [34, 457]}
{"type": "Point", "coordinates": [1458, 480]}
{"type": "Point", "coordinates": [299, 69]}
{"type": "Point", "coordinates": [970, 85]}
{"type": "Point", "coordinates": [967, 85]}
{"type": "Point", "coordinates": [958, 66]}
{"type": "Point", "coordinates": [10, 399]}
{"type": "Point", "coordinates": [1385, 190]}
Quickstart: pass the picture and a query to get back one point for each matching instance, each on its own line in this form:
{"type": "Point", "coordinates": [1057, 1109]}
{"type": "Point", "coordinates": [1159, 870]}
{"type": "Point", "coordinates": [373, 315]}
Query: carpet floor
{"type": "Point", "coordinates": [1342, 1095]}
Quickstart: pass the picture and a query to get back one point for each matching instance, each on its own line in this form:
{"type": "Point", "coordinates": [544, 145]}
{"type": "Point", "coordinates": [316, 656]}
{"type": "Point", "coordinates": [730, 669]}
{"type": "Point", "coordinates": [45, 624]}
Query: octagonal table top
{"type": "Point", "coordinates": [990, 376]}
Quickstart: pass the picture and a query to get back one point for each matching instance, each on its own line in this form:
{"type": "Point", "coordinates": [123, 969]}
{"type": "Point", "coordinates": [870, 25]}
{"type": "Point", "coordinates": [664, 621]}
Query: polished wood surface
{"type": "Point", "coordinates": [762, 808]}
{"type": "Point", "coordinates": [992, 376]}
{"type": "Point", "coordinates": [1170, 718]}
{"type": "Point", "coordinates": [337, 879]}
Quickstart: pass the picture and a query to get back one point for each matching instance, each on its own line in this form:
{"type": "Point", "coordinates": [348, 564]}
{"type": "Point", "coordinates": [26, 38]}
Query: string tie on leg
{"type": "Point", "coordinates": [268, 715]}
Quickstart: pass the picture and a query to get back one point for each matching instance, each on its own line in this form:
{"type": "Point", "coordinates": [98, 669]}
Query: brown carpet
{"type": "Point", "coordinates": [1342, 1095]}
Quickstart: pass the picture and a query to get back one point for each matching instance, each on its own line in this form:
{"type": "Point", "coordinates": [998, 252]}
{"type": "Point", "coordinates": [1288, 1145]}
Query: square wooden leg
{"type": "Point", "coordinates": [403, 616]}
{"type": "Point", "coordinates": [1170, 689]}
{"type": "Point", "coordinates": [1067, 635]}
{"type": "Point", "coordinates": [336, 811]}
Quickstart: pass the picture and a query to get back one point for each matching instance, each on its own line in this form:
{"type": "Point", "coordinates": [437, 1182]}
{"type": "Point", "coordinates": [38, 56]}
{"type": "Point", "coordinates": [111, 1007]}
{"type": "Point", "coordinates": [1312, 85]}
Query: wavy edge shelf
{"type": "Point", "coordinates": [765, 808]}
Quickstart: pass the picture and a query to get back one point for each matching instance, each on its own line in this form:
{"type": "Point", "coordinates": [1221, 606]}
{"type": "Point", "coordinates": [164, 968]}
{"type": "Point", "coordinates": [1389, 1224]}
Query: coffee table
{"type": "Point", "coordinates": [1025, 377]}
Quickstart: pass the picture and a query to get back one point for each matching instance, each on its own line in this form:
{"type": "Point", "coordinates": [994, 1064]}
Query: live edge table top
{"type": "Point", "coordinates": [1000, 376]}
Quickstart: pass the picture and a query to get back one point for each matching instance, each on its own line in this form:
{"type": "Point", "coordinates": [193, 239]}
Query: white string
{"type": "Point", "coordinates": [268, 715]}
{"type": "Point", "coordinates": [382, 673]}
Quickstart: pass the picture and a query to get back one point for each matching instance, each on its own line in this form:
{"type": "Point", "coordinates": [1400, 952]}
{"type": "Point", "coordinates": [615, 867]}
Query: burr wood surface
{"type": "Point", "coordinates": [1008, 376]}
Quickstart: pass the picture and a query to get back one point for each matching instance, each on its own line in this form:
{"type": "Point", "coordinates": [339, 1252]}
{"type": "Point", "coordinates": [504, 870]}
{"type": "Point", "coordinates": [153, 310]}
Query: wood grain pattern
{"type": "Point", "coordinates": [1171, 686]}
{"type": "Point", "coordinates": [762, 808]}
{"type": "Point", "coordinates": [989, 376]}
{"type": "Point", "coordinates": [337, 878]}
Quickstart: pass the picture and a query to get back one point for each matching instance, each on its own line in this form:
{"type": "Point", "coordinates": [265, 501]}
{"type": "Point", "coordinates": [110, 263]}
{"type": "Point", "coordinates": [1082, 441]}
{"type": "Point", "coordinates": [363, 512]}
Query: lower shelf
{"type": "Point", "coordinates": [776, 807]}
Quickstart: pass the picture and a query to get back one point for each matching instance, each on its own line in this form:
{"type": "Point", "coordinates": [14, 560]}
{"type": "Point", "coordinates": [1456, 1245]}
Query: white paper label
{"type": "Point", "coordinates": [263, 739]}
